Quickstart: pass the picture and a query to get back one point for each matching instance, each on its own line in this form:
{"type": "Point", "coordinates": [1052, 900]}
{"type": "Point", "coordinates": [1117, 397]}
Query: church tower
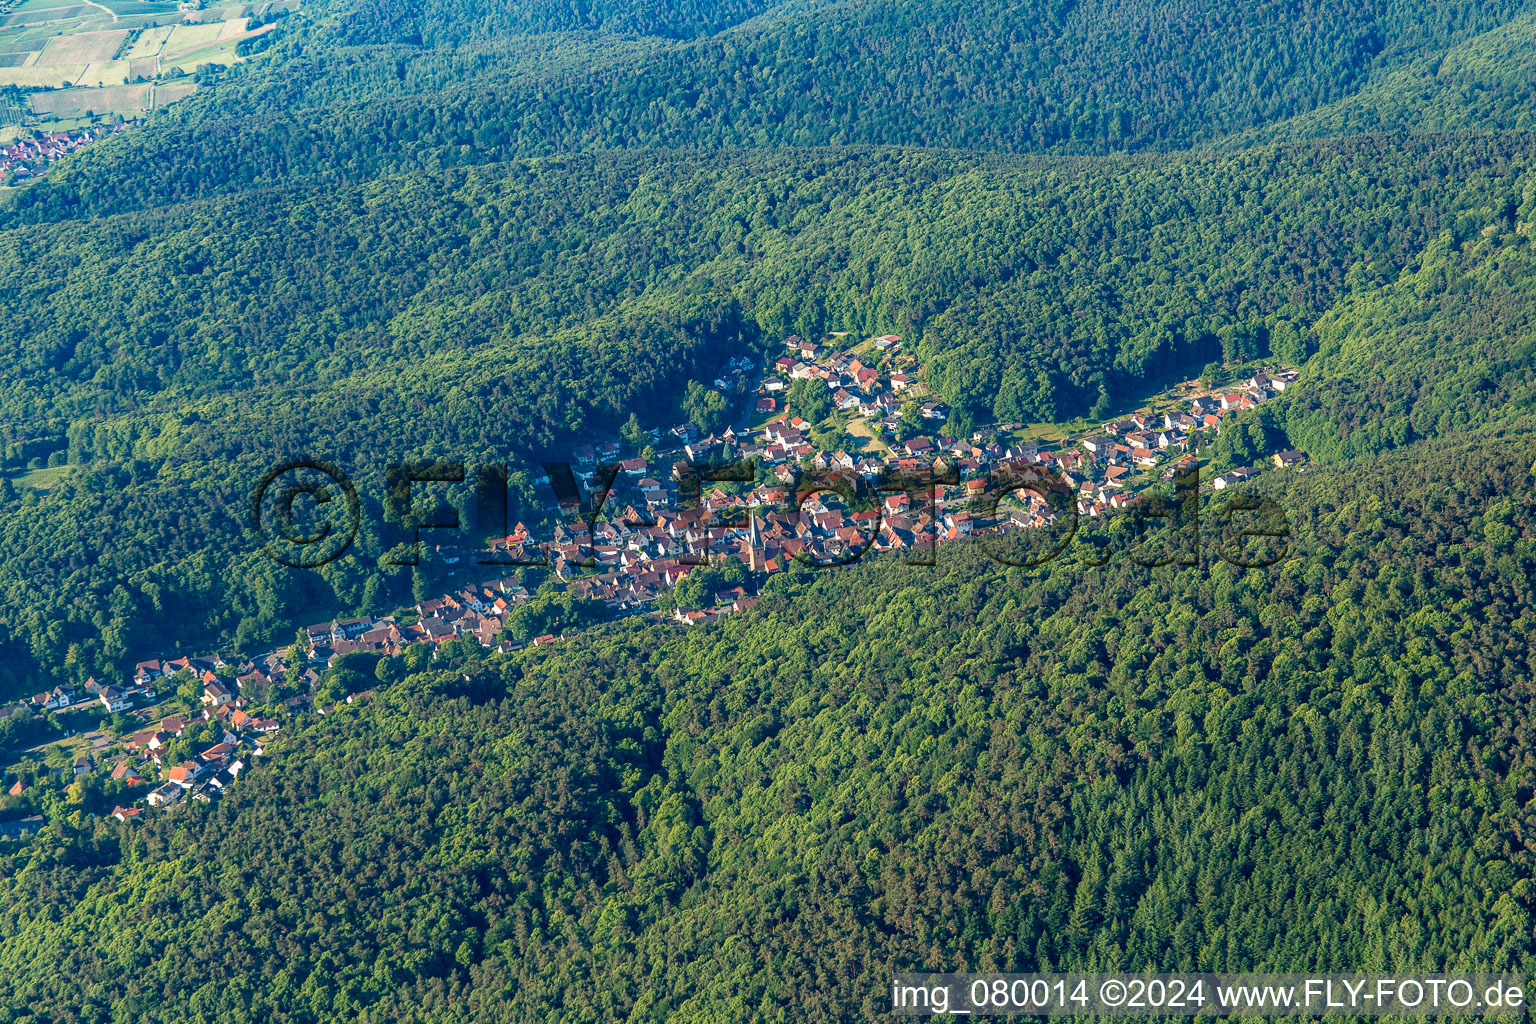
{"type": "Point", "coordinates": [752, 559]}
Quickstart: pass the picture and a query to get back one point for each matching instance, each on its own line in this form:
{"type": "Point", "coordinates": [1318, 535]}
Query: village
{"type": "Point", "coordinates": [635, 536]}
{"type": "Point", "coordinates": [28, 155]}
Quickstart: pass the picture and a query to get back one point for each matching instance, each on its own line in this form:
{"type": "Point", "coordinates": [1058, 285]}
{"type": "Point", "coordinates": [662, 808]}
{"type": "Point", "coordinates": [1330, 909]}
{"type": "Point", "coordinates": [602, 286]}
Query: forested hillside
{"type": "Point", "coordinates": [1324, 763]}
{"type": "Point", "coordinates": [358, 89]}
{"type": "Point", "coordinates": [467, 22]}
{"type": "Point", "coordinates": [1483, 83]}
{"type": "Point", "coordinates": [173, 356]}
{"type": "Point", "coordinates": [1449, 345]}
{"type": "Point", "coordinates": [495, 231]}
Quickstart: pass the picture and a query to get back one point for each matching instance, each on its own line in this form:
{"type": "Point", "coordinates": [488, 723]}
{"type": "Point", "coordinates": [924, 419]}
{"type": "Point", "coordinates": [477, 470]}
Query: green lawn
{"type": "Point", "coordinates": [41, 479]}
{"type": "Point", "coordinates": [1047, 431]}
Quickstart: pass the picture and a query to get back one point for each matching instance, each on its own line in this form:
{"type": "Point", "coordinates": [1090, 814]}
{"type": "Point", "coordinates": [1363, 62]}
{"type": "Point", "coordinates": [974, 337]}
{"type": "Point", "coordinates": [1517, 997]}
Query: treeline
{"type": "Point", "coordinates": [147, 545]}
{"type": "Point", "coordinates": [1092, 274]}
{"type": "Point", "coordinates": [385, 302]}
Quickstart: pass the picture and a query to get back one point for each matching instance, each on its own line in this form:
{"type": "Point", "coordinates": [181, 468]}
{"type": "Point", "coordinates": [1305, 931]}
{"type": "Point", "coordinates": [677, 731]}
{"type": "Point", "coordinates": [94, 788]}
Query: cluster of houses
{"type": "Point", "coordinates": [472, 611]}
{"type": "Point", "coordinates": [207, 773]}
{"type": "Point", "coordinates": [29, 155]}
{"type": "Point", "coordinates": [201, 777]}
{"type": "Point", "coordinates": [65, 697]}
{"type": "Point", "coordinates": [857, 387]}
{"type": "Point", "coordinates": [646, 540]}
{"type": "Point", "coordinates": [147, 759]}
{"type": "Point", "coordinates": [1166, 442]}
{"type": "Point", "coordinates": [204, 776]}
{"type": "Point", "coordinates": [475, 611]}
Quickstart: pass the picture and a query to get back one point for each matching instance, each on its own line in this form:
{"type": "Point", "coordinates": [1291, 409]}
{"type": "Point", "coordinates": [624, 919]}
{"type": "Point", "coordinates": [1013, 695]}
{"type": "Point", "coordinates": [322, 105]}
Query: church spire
{"type": "Point", "coordinates": [752, 561]}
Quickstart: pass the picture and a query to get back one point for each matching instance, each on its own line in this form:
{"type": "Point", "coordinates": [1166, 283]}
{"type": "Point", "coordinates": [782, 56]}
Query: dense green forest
{"type": "Point", "coordinates": [1483, 83]}
{"type": "Point", "coordinates": [354, 90]}
{"type": "Point", "coordinates": [492, 231]}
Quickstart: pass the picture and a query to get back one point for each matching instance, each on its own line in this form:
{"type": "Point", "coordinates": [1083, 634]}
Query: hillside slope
{"type": "Point", "coordinates": [1323, 763]}
{"type": "Point", "coordinates": [1445, 345]}
{"type": "Point", "coordinates": [492, 230]}
{"type": "Point", "coordinates": [353, 91]}
{"type": "Point", "coordinates": [173, 359]}
{"type": "Point", "coordinates": [1484, 82]}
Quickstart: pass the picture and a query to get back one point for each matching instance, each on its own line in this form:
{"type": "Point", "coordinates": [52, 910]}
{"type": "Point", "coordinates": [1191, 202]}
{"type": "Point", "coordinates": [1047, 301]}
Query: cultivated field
{"type": "Point", "coordinates": [185, 38]}
{"type": "Point", "coordinates": [83, 47]}
{"type": "Point", "coordinates": [170, 92]}
{"type": "Point", "coordinates": [100, 52]}
{"type": "Point", "coordinates": [42, 76]}
{"type": "Point", "coordinates": [24, 17]}
{"type": "Point", "coordinates": [118, 99]}
{"type": "Point", "coordinates": [193, 45]}
{"type": "Point", "coordinates": [112, 72]}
